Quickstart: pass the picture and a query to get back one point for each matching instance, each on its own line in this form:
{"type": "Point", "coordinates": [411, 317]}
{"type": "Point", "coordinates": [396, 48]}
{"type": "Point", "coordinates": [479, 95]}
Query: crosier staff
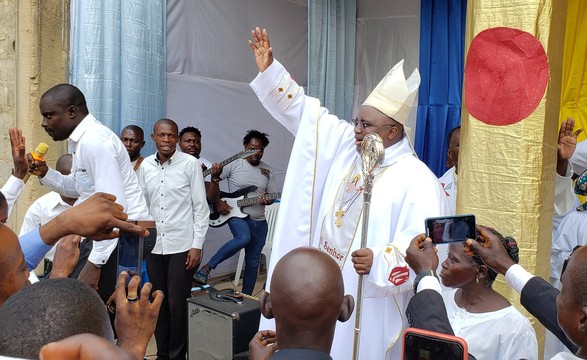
{"type": "Point", "coordinates": [372, 154]}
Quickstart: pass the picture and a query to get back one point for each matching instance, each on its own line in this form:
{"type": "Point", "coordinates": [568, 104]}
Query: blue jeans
{"type": "Point", "coordinates": [249, 235]}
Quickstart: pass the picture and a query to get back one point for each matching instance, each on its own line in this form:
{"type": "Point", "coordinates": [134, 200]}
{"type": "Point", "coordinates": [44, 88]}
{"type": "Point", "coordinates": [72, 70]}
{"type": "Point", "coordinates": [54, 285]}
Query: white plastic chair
{"type": "Point", "coordinates": [271, 217]}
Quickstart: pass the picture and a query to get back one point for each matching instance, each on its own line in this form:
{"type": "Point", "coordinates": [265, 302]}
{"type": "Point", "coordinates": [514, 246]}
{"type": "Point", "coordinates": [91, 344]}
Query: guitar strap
{"type": "Point", "coordinates": [138, 163]}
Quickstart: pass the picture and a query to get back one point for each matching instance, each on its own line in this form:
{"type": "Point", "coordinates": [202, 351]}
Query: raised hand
{"type": "Point", "coordinates": [261, 48]}
{"type": "Point", "coordinates": [422, 255]}
{"type": "Point", "coordinates": [567, 139]}
{"type": "Point", "coordinates": [490, 248]}
{"type": "Point", "coordinates": [136, 316]}
{"type": "Point", "coordinates": [17, 143]}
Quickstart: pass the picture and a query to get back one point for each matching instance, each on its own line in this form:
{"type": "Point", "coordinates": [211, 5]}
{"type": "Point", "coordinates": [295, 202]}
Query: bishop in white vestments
{"type": "Point", "coordinates": [322, 197]}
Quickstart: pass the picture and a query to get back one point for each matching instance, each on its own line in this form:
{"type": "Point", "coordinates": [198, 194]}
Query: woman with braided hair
{"type": "Point", "coordinates": [492, 327]}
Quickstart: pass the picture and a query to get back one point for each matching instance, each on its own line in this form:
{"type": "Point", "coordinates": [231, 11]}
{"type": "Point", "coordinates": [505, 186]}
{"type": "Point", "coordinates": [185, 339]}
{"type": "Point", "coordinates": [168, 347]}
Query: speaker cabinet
{"type": "Point", "coordinates": [218, 330]}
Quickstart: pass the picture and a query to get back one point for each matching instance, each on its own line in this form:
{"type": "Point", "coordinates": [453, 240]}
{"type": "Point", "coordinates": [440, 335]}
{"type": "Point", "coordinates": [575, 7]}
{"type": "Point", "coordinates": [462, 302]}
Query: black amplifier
{"type": "Point", "coordinates": [218, 329]}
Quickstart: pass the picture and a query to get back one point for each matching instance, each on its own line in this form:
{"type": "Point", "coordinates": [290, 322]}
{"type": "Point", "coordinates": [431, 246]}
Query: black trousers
{"type": "Point", "coordinates": [168, 274]}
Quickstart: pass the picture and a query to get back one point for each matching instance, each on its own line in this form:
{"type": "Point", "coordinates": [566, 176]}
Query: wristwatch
{"type": "Point", "coordinates": [420, 276]}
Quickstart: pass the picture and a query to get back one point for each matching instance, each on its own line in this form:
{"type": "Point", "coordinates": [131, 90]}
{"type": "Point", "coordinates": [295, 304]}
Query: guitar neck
{"type": "Point", "coordinates": [253, 200]}
{"type": "Point", "coordinates": [227, 161]}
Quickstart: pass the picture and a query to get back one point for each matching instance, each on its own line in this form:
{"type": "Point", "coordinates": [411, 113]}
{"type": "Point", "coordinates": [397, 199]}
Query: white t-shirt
{"type": "Point", "coordinates": [501, 334]}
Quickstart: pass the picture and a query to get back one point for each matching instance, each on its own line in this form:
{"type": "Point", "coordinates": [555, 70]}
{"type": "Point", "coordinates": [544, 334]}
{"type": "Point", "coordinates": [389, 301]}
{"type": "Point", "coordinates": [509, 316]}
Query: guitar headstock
{"type": "Point", "coordinates": [246, 153]}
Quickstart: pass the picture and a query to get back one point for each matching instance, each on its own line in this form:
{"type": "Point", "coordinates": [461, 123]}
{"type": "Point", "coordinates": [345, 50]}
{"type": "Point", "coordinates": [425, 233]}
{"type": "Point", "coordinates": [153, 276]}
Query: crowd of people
{"type": "Point", "coordinates": [311, 295]}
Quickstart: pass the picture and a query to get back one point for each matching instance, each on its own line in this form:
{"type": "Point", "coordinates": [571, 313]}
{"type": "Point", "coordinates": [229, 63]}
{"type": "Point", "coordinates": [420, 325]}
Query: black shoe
{"type": "Point", "coordinates": [202, 275]}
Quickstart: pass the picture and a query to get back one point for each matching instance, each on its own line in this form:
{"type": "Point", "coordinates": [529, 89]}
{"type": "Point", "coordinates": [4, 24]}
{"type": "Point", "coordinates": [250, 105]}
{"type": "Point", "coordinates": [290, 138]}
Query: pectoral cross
{"type": "Point", "coordinates": [339, 214]}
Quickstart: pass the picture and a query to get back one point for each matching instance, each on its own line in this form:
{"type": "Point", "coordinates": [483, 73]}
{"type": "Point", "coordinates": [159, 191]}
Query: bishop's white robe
{"type": "Point", "coordinates": [404, 195]}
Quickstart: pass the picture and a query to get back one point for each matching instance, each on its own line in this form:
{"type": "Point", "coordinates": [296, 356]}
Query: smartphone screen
{"type": "Point", "coordinates": [428, 345]}
{"type": "Point", "coordinates": [451, 229]}
{"type": "Point", "coordinates": [133, 250]}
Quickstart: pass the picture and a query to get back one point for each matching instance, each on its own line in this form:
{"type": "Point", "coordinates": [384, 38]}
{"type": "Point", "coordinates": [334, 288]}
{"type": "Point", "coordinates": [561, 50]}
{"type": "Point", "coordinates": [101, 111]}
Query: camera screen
{"type": "Point", "coordinates": [451, 229]}
{"type": "Point", "coordinates": [132, 252]}
{"type": "Point", "coordinates": [423, 347]}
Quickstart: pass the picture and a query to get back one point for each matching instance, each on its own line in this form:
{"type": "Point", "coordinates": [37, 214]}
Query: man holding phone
{"type": "Point", "coordinates": [173, 185]}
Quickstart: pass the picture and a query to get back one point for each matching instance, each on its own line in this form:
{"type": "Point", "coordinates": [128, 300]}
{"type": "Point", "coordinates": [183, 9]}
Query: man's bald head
{"type": "Point", "coordinates": [67, 94]}
{"type": "Point", "coordinates": [14, 273]}
{"type": "Point", "coordinates": [48, 311]}
{"type": "Point", "coordinates": [63, 164]}
{"type": "Point", "coordinates": [307, 296]}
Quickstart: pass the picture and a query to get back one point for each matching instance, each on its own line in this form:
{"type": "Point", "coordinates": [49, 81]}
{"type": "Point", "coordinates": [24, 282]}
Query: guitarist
{"type": "Point", "coordinates": [249, 233]}
{"type": "Point", "coordinates": [190, 142]}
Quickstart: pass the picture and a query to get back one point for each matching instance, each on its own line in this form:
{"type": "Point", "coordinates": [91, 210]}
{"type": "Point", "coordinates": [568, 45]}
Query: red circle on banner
{"type": "Point", "coordinates": [505, 75]}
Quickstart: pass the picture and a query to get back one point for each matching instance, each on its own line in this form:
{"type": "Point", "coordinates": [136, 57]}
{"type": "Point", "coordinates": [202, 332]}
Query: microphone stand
{"type": "Point", "coordinates": [372, 155]}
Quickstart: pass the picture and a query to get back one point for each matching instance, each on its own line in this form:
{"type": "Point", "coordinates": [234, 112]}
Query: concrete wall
{"type": "Point", "coordinates": [34, 56]}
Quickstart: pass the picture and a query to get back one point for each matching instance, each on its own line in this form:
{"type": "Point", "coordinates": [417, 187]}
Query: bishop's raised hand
{"type": "Point", "coordinates": [261, 48]}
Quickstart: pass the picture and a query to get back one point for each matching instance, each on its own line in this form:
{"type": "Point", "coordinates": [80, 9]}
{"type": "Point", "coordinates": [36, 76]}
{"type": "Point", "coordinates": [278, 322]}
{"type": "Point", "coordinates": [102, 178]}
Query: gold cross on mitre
{"type": "Point", "coordinates": [339, 214]}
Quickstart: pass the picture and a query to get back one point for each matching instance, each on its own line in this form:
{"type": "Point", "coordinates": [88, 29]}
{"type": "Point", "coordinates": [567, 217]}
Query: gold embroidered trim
{"type": "Point", "coordinates": [400, 332]}
{"type": "Point", "coordinates": [314, 179]}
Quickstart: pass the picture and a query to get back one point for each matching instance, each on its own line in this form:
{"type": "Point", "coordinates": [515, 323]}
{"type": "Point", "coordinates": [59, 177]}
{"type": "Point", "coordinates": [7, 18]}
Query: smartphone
{"type": "Point", "coordinates": [133, 250]}
{"type": "Point", "coordinates": [421, 344]}
{"type": "Point", "coordinates": [449, 229]}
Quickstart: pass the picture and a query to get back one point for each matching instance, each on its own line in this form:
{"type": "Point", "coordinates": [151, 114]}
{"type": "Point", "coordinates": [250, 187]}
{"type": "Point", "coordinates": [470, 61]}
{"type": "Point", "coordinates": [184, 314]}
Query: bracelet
{"type": "Point", "coordinates": [216, 181]}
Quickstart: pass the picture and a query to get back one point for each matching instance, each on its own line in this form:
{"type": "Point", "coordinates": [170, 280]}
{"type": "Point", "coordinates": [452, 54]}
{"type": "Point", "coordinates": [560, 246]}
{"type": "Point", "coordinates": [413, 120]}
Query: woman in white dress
{"type": "Point", "coordinates": [492, 327]}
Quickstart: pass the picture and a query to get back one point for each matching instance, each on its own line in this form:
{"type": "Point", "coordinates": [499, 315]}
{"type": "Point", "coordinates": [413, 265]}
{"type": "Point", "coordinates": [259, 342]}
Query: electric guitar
{"type": "Point", "coordinates": [240, 155]}
{"type": "Point", "coordinates": [237, 200]}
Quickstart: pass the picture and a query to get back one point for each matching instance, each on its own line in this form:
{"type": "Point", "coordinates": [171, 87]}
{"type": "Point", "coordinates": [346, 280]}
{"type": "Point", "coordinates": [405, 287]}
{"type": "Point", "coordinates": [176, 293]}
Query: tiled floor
{"type": "Point", "coordinates": [224, 282]}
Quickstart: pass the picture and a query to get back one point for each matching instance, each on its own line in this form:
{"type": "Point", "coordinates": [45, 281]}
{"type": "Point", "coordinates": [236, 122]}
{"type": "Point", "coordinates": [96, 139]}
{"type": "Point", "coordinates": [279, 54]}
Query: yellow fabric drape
{"type": "Point", "coordinates": [506, 173]}
{"type": "Point", "coordinates": [574, 80]}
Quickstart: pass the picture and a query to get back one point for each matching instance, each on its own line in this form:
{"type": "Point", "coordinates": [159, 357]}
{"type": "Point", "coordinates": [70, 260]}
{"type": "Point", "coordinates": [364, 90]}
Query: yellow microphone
{"type": "Point", "coordinates": [38, 154]}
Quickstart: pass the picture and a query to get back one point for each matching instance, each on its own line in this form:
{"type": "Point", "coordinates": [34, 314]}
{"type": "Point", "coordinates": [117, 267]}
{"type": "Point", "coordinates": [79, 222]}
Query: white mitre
{"type": "Point", "coordinates": [394, 95]}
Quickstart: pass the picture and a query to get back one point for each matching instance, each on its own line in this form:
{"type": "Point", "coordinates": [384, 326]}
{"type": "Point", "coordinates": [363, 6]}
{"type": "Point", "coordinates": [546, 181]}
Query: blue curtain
{"type": "Point", "coordinates": [118, 61]}
{"type": "Point", "coordinates": [442, 41]}
{"type": "Point", "coordinates": [331, 54]}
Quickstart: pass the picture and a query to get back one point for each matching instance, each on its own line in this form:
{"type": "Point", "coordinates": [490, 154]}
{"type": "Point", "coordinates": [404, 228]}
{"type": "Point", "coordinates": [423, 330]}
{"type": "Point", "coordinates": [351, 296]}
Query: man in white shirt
{"type": "Point", "coordinates": [173, 186]}
{"type": "Point", "coordinates": [100, 164]}
{"type": "Point", "coordinates": [133, 138]}
{"type": "Point", "coordinates": [47, 207]}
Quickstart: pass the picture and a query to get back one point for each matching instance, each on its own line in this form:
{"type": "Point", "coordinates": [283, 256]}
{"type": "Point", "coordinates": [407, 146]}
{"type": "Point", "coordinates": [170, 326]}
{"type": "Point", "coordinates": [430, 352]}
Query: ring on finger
{"type": "Point", "coordinates": [133, 299]}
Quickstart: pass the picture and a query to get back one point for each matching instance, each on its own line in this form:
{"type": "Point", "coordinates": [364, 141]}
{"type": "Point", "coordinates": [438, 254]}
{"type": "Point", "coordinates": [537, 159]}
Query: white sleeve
{"type": "Point", "coordinates": [517, 277]}
{"type": "Point", "coordinates": [102, 166]}
{"type": "Point", "coordinates": [429, 283]}
{"type": "Point", "coordinates": [564, 197]}
{"type": "Point", "coordinates": [11, 191]}
{"type": "Point", "coordinates": [63, 184]}
{"type": "Point", "coordinates": [568, 235]}
{"type": "Point", "coordinates": [200, 209]}
{"type": "Point", "coordinates": [283, 98]}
